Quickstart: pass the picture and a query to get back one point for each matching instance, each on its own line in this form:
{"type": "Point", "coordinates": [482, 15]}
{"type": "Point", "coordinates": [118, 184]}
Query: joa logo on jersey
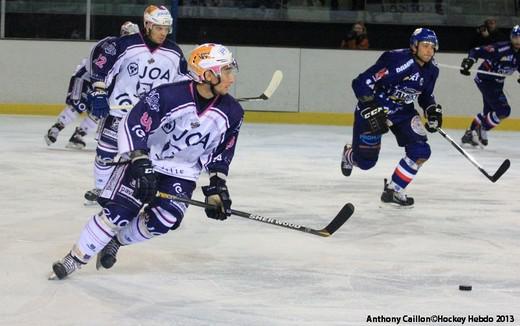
{"type": "Point", "coordinates": [151, 73]}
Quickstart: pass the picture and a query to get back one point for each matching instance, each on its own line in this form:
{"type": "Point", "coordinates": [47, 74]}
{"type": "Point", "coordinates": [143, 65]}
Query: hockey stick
{"type": "Point", "coordinates": [473, 70]}
{"type": "Point", "coordinates": [501, 170]}
{"type": "Point", "coordinates": [269, 91]}
{"type": "Point", "coordinates": [343, 215]}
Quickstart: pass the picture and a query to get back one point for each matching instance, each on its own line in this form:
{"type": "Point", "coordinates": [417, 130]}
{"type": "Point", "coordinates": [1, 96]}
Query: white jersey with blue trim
{"type": "Point", "coordinates": [130, 69]}
{"type": "Point", "coordinates": [181, 139]}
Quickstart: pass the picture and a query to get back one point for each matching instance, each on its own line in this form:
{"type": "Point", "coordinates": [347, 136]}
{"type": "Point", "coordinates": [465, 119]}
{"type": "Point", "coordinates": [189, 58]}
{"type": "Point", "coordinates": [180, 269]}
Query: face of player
{"type": "Point", "coordinates": [425, 52]}
{"type": "Point", "coordinates": [516, 42]}
{"type": "Point", "coordinates": [227, 79]}
{"type": "Point", "coordinates": [158, 33]}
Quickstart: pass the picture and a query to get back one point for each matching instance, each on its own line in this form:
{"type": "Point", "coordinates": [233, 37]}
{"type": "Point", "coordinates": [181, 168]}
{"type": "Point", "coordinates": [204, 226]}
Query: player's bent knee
{"type": "Point", "coordinates": [115, 217]}
{"type": "Point", "coordinates": [365, 164]}
{"type": "Point", "coordinates": [162, 220]}
{"type": "Point", "coordinates": [418, 152]}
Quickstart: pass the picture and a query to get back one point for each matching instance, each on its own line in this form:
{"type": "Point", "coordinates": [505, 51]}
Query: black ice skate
{"type": "Point", "coordinates": [106, 258]}
{"type": "Point", "coordinates": [65, 266]}
{"type": "Point", "coordinates": [482, 135]}
{"type": "Point", "coordinates": [390, 196]}
{"type": "Point", "coordinates": [346, 167]}
{"type": "Point", "coordinates": [91, 197]}
{"type": "Point", "coordinates": [52, 133]}
{"type": "Point", "coordinates": [470, 137]}
{"type": "Point", "coordinates": [76, 140]}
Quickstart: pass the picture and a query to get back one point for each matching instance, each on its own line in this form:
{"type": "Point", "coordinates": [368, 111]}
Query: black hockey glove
{"type": "Point", "coordinates": [466, 65]}
{"type": "Point", "coordinates": [376, 117]}
{"type": "Point", "coordinates": [434, 115]}
{"type": "Point", "coordinates": [98, 100]}
{"type": "Point", "coordinates": [217, 194]}
{"type": "Point", "coordinates": [145, 179]}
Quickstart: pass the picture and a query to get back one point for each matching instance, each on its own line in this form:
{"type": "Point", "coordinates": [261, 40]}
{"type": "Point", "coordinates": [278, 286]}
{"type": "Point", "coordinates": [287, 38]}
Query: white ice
{"type": "Point", "coordinates": [383, 261]}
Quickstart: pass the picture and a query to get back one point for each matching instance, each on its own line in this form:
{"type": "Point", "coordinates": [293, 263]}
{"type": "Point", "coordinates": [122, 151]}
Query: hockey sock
{"type": "Point", "coordinates": [95, 235]}
{"type": "Point", "coordinates": [67, 115]}
{"type": "Point", "coordinates": [487, 121]}
{"type": "Point", "coordinates": [404, 174]}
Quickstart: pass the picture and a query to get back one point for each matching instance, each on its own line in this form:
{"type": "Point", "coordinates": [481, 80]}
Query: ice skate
{"type": "Point", "coordinates": [65, 266]}
{"type": "Point", "coordinates": [76, 140]}
{"type": "Point", "coordinates": [482, 135]}
{"type": "Point", "coordinates": [106, 258]}
{"type": "Point", "coordinates": [52, 133]}
{"type": "Point", "coordinates": [470, 137]}
{"type": "Point", "coordinates": [91, 197]}
{"type": "Point", "coordinates": [346, 167]}
{"type": "Point", "coordinates": [391, 196]}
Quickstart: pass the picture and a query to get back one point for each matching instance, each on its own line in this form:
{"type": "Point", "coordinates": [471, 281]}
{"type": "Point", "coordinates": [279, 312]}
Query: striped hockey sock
{"type": "Point", "coordinates": [404, 173]}
{"type": "Point", "coordinates": [487, 121]}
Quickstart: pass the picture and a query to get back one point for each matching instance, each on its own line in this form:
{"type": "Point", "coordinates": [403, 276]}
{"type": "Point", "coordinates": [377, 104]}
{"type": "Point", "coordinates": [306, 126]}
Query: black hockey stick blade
{"type": "Point", "coordinates": [501, 170]}
{"type": "Point", "coordinates": [344, 214]}
{"type": "Point", "coordinates": [269, 91]}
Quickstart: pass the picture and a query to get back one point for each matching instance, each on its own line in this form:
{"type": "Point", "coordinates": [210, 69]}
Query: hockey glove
{"type": "Point", "coordinates": [217, 194]}
{"type": "Point", "coordinates": [142, 172]}
{"type": "Point", "coordinates": [434, 115]}
{"type": "Point", "coordinates": [98, 100]}
{"type": "Point", "coordinates": [376, 117]}
{"type": "Point", "coordinates": [466, 65]}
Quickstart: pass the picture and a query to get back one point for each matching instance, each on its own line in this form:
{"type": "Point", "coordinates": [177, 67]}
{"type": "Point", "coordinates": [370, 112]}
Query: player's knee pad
{"type": "Point", "coordinates": [503, 112]}
{"type": "Point", "coordinates": [163, 219]}
{"type": "Point", "coordinates": [104, 158]}
{"type": "Point", "coordinates": [418, 152]}
{"type": "Point", "coordinates": [116, 217]}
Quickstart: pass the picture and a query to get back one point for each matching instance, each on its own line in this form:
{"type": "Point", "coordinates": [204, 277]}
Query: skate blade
{"type": "Point", "coordinates": [74, 146]}
{"type": "Point", "coordinates": [52, 276]}
{"type": "Point", "coordinates": [394, 205]}
{"type": "Point", "coordinates": [90, 203]}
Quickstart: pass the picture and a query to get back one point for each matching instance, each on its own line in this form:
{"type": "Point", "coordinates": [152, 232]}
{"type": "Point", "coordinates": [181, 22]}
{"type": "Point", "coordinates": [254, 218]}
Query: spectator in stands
{"type": "Point", "coordinates": [356, 38]}
{"type": "Point", "coordinates": [487, 33]}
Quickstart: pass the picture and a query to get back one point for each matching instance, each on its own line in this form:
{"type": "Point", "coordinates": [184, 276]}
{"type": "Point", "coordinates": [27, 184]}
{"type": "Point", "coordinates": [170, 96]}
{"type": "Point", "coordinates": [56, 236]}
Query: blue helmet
{"type": "Point", "coordinates": [424, 35]}
{"type": "Point", "coordinates": [515, 32]}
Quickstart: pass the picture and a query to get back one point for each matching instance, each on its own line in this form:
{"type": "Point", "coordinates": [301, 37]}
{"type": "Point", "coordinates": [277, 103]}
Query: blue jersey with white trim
{"type": "Point", "coordinates": [396, 81]}
{"type": "Point", "coordinates": [181, 139]}
{"type": "Point", "coordinates": [130, 69]}
{"type": "Point", "coordinates": [498, 57]}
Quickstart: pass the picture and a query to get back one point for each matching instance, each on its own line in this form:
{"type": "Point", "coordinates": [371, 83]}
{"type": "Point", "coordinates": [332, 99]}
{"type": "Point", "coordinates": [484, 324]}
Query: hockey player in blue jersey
{"type": "Point", "coordinates": [123, 71]}
{"type": "Point", "coordinates": [166, 140]}
{"type": "Point", "coordinates": [502, 58]}
{"type": "Point", "coordinates": [76, 100]}
{"type": "Point", "coordinates": [386, 93]}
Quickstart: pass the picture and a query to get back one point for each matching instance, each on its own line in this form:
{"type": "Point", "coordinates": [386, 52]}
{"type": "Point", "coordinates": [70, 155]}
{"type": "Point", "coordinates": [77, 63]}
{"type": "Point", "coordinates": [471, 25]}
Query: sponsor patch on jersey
{"type": "Point", "coordinates": [417, 126]}
{"type": "Point", "coordinates": [370, 140]}
{"type": "Point", "coordinates": [132, 69]}
{"type": "Point", "coordinates": [489, 48]}
{"type": "Point", "coordinates": [404, 66]}
{"type": "Point", "coordinates": [152, 99]}
{"type": "Point", "coordinates": [110, 133]}
{"type": "Point", "coordinates": [380, 74]}
{"type": "Point", "coordinates": [504, 48]}
{"type": "Point", "coordinates": [146, 122]}
{"type": "Point", "coordinates": [100, 61]}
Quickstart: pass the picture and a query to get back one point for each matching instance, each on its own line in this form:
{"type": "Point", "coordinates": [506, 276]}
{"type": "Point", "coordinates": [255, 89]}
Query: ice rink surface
{"type": "Point", "coordinates": [383, 261]}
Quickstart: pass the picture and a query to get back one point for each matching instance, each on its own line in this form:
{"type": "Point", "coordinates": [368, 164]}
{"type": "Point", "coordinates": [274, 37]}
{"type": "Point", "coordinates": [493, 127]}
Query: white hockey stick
{"type": "Point", "coordinates": [269, 91]}
{"type": "Point", "coordinates": [473, 70]}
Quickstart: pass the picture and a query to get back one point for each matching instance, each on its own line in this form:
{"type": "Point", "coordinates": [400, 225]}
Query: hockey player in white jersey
{"type": "Point", "coordinates": [123, 71]}
{"type": "Point", "coordinates": [166, 140]}
{"type": "Point", "coordinates": [76, 101]}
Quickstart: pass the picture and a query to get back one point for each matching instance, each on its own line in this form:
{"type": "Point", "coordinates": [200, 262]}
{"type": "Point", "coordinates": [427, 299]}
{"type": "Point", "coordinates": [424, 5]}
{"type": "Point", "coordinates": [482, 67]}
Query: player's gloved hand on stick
{"type": "Point", "coordinates": [217, 194]}
{"type": "Point", "coordinates": [98, 100]}
{"type": "Point", "coordinates": [466, 65]}
{"type": "Point", "coordinates": [145, 179]}
{"type": "Point", "coordinates": [375, 115]}
{"type": "Point", "coordinates": [434, 115]}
